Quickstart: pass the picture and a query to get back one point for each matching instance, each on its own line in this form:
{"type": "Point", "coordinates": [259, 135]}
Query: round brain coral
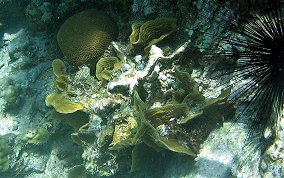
{"type": "Point", "coordinates": [86, 35]}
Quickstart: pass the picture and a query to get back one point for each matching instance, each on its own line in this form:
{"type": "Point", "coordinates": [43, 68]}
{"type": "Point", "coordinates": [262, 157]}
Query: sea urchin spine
{"type": "Point", "coordinates": [260, 24]}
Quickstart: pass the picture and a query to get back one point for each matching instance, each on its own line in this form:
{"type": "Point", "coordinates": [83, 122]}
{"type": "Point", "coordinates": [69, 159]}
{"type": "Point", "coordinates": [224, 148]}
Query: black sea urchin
{"type": "Point", "coordinates": [252, 38]}
{"type": "Point", "coordinates": [259, 25]}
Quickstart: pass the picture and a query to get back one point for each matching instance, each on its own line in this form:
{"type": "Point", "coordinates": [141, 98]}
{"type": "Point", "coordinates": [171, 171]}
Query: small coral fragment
{"type": "Point", "coordinates": [106, 66]}
{"type": "Point", "coordinates": [58, 67]}
{"type": "Point", "coordinates": [134, 36]}
{"type": "Point", "coordinates": [123, 133]}
{"type": "Point", "coordinates": [36, 136]}
{"type": "Point", "coordinates": [62, 104]}
{"type": "Point", "coordinates": [61, 81]}
{"type": "Point", "coordinates": [86, 35]}
{"type": "Point", "coordinates": [151, 32]}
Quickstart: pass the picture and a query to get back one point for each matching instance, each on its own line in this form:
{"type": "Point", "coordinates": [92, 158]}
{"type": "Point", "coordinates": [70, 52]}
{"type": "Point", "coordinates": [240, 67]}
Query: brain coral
{"type": "Point", "coordinates": [86, 35]}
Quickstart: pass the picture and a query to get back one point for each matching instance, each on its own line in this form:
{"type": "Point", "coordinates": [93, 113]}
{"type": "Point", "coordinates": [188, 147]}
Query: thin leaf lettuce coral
{"type": "Point", "coordinates": [106, 66]}
{"type": "Point", "coordinates": [61, 81]}
{"type": "Point", "coordinates": [151, 32]}
{"type": "Point", "coordinates": [62, 104]}
{"type": "Point", "coordinates": [148, 132]}
{"type": "Point", "coordinates": [62, 101]}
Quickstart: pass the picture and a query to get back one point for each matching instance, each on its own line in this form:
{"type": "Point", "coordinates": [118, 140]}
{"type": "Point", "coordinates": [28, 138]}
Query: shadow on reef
{"type": "Point", "coordinates": [12, 17]}
{"type": "Point", "coordinates": [36, 155]}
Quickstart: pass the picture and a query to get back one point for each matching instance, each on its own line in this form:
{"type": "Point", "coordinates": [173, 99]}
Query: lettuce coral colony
{"type": "Point", "coordinates": [151, 32]}
{"type": "Point", "coordinates": [62, 104]}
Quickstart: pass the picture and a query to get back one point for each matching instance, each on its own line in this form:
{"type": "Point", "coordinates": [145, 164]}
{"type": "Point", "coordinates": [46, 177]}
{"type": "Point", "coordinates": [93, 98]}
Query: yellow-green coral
{"type": "Point", "coordinates": [62, 103]}
{"type": "Point", "coordinates": [58, 67]}
{"type": "Point", "coordinates": [149, 120]}
{"type": "Point", "coordinates": [60, 73]}
{"type": "Point", "coordinates": [161, 115]}
{"type": "Point", "coordinates": [61, 84]}
{"type": "Point", "coordinates": [151, 32]}
{"type": "Point", "coordinates": [4, 159]}
{"type": "Point", "coordinates": [36, 136]}
{"type": "Point", "coordinates": [214, 110]}
{"type": "Point", "coordinates": [134, 36]}
{"type": "Point", "coordinates": [123, 133]}
{"type": "Point", "coordinates": [175, 127]}
{"type": "Point", "coordinates": [106, 66]}
{"type": "Point", "coordinates": [188, 91]}
{"type": "Point", "coordinates": [85, 36]}
{"type": "Point", "coordinates": [83, 137]}
{"type": "Point", "coordinates": [185, 80]}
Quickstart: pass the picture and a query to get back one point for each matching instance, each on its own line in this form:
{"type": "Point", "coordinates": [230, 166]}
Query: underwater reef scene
{"type": "Point", "coordinates": [141, 88]}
